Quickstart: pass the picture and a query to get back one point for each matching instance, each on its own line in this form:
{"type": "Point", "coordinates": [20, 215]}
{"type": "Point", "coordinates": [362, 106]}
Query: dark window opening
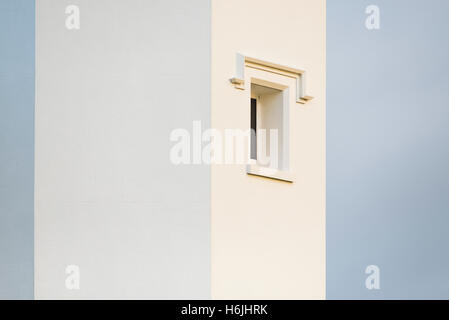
{"type": "Point", "coordinates": [253, 129]}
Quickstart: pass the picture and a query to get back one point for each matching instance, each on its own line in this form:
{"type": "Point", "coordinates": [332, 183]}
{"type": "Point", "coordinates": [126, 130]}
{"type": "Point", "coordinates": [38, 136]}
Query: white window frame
{"type": "Point", "coordinates": [275, 81]}
{"type": "Point", "coordinates": [292, 82]}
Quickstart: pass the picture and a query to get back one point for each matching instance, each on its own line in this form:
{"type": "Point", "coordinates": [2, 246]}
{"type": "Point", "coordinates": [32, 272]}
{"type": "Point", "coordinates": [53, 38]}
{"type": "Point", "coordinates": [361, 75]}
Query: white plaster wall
{"type": "Point", "coordinates": [107, 197]}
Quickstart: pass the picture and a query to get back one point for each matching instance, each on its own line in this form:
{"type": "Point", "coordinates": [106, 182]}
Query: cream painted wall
{"type": "Point", "coordinates": [268, 236]}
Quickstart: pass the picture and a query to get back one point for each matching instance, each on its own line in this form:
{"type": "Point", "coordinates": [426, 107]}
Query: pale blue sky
{"type": "Point", "coordinates": [387, 149]}
{"type": "Point", "coordinates": [16, 148]}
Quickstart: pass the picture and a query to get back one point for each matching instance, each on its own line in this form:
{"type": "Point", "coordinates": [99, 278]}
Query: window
{"type": "Point", "coordinates": [267, 126]}
{"type": "Point", "coordinates": [272, 91]}
{"type": "Point", "coordinates": [253, 128]}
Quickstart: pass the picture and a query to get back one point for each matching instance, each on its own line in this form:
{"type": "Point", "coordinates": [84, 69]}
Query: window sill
{"type": "Point", "coordinates": [255, 170]}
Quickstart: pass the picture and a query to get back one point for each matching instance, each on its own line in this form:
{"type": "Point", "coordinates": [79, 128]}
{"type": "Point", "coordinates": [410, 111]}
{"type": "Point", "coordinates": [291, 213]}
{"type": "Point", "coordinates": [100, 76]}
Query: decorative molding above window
{"type": "Point", "coordinates": [300, 75]}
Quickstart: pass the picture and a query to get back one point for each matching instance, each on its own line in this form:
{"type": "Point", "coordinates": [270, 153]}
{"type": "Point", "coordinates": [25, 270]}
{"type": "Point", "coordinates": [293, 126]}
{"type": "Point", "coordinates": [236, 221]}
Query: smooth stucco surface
{"type": "Point", "coordinates": [268, 236]}
{"type": "Point", "coordinates": [108, 199]}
